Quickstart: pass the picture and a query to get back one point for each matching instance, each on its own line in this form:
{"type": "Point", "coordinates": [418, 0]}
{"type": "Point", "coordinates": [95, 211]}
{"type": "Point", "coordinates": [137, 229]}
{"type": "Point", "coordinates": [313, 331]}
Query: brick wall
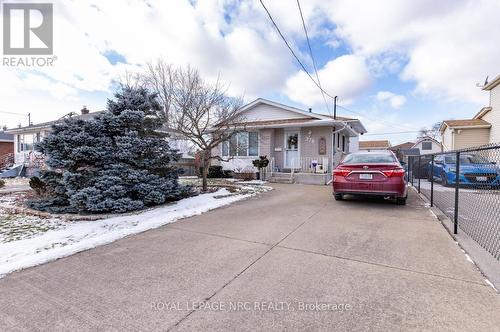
{"type": "Point", "coordinates": [6, 148]}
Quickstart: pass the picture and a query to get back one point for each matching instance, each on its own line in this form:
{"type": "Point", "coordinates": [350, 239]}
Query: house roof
{"type": "Point", "coordinates": [374, 144]}
{"type": "Point", "coordinates": [6, 137]}
{"type": "Point", "coordinates": [482, 112]}
{"type": "Point", "coordinates": [48, 124]}
{"type": "Point", "coordinates": [478, 123]}
{"type": "Point", "coordinates": [492, 84]}
{"type": "Point", "coordinates": [354, 123]}
{"type": "Point", "coordinates": [294, 123]}
{"type": "Point", "coordinates": [406, 145]}
{"type": "Point", "coordinates": [426, 138]}
{"type": "Point", "coordinates": [277, 122]}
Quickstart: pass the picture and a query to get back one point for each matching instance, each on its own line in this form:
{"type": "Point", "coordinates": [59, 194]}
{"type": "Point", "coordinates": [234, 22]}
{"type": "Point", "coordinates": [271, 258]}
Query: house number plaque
{"type": "Point", "coordinates": [322, 146]}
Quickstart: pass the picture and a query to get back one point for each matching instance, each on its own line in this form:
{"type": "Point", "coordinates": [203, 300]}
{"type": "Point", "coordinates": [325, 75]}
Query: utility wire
{"type": "Point", "coordinates": [393, 133]}
{"type": "Point", "coordinates": [12, 113]}
{"type": "Point", "coordinates": [291, 50]}
{"type": "Point", "coordinates": [373, 119]}
{"type": "Point", "coordinates": [312, 56]}
{"type": "Point", "coordinates": [305, 69]}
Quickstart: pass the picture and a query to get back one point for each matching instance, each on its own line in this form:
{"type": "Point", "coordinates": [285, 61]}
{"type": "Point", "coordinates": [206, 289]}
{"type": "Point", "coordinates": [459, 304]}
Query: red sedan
{"type": "Point", "coordinates": [376, 173]}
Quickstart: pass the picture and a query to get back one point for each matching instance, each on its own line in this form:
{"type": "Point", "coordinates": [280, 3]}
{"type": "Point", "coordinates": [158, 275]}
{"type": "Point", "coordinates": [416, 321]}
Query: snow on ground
{"type": "Point", "coordinates": [71, 237]}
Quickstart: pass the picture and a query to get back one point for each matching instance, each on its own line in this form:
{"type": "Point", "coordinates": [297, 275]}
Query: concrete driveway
{"type": "Point", "coordinates": [291, 259]}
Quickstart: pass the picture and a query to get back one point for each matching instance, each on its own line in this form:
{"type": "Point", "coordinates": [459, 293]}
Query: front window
{"type": "Point", "coordinates": [25, 141]}
{"type": "Point", "coordinates": [426, 145]}
{"type": "Point", "coordinates": [242, 144]}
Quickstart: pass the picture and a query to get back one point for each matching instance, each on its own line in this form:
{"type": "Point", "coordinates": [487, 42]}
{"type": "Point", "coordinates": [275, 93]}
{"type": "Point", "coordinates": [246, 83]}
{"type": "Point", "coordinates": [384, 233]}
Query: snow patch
{"type": "Point", "coordinates": [491, 284]}
{"type": "Point", "coordinates": [469, 259]}
{"type": "Point", "coordinates": [76, 237]}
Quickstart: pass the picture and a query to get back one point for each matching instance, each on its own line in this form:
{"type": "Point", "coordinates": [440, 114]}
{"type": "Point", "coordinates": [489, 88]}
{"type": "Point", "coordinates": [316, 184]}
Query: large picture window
{"type": "Point", "coordinates": [242, 144]}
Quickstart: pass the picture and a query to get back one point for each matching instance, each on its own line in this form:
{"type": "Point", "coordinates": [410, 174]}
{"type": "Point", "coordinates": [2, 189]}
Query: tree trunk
{"type": "Point", "coordinates": [204, 173]}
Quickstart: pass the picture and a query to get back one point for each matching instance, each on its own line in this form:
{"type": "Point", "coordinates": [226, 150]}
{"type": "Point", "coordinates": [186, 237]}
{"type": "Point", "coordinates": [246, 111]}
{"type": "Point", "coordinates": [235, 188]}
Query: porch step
{"type": "Point", "coordinates": [281, 179]}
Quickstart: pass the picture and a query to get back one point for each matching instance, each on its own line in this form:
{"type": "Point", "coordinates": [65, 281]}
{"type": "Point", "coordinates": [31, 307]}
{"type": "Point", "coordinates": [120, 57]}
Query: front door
{"type": "Point", "coordinates": [292, 149]}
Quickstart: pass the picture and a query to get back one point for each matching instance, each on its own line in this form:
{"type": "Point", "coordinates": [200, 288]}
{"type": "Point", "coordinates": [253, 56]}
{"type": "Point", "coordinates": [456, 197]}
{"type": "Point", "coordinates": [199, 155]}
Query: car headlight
{"type": "Point", "coordinates": [452, 169]}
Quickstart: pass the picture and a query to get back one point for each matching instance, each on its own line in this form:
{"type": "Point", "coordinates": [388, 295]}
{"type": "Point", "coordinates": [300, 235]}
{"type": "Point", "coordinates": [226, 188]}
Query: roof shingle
{"type": "Point", "coordinates": [466, 123]}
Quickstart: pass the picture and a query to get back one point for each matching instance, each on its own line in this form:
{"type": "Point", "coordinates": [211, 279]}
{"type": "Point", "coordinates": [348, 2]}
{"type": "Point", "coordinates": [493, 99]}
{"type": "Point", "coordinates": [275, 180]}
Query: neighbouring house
{"type": "Point", "coordinates": [423, 145]}
{"type": "Point", "coordinates": [302, 146]}
{"type": "Point", "coordinates": [460, 134]}
{"type": "Point", "coordinates": [6, 149]}
{"type": "Point", "coordinates": [374, 145]}
{"type": "Point", "coordinates": [483, 128]}
{"type": "Point", "coordinates": [403, 150]}
{"type": "Point", "coordinates": [26, 137]}
{"type": "Point", "coordinates": [428, 145]}
{"type": "Point", "coordinates": [491, 114]}
{"type": "Point", "coordinates": [32, 162]}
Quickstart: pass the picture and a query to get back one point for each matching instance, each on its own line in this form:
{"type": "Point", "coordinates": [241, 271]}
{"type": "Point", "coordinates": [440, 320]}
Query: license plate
{"type": "Point", "coordinates": [482, 178]}
{"type": "Point", "coordinates": [366, 176]}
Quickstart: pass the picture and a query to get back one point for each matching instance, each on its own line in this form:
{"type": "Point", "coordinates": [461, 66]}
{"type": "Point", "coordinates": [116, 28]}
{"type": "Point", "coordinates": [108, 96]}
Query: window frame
{"type": "Point", "coordinates": [226, 145]}
{"type": "Point", "coordinates": [427, 142]}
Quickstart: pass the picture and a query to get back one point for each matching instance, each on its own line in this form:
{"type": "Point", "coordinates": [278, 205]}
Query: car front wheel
{"type": "Point", "coordinates": [444, 180]}
{"type": "Point", "coordinates": [338, 197]}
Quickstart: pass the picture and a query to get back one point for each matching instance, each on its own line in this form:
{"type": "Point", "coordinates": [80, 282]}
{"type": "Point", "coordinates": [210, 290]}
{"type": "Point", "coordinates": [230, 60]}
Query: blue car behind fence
{"type": "Point", "coordinates": [474, 170]}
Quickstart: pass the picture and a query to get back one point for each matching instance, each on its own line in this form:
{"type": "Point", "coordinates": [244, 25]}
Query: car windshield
{"type": "Point", "coordinates": [467, 159]}
{"type": "Point", "coordinates": [369, 158]}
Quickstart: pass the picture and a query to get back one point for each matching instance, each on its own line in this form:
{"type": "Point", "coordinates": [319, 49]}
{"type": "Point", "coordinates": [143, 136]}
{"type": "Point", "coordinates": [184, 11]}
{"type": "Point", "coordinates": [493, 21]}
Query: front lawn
{"type": "Point", "coordinates": [28, 238]}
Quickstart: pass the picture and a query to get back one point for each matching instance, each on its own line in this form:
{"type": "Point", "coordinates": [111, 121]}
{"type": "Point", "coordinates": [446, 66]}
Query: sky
{"type": "Point", "coordinates": [397, 65]}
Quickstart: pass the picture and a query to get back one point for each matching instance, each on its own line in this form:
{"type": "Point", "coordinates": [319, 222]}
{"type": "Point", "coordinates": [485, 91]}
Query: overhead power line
{"type": "Point", "coordinates": [312, 56]}
{"type": "Point", "coordinates": [393, 133]}
{"type": "Point", "coordinates": [12, 113]}
{"type": "Point", "coordinates": [292, 51]}
{"type": "Point", "coordinates": [318, 84]}
{"type": "Point", "coordinates": [373, 119]}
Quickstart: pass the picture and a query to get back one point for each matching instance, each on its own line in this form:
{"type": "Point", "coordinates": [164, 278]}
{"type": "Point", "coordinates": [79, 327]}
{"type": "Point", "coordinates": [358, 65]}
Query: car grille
{"type": "Point", "coordinates": [472, 177]}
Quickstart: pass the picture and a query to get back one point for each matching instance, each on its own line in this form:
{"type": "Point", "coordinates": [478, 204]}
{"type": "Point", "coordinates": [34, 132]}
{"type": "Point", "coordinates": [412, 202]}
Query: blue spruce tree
{"type": "Point", "coordinates": [116, 162]}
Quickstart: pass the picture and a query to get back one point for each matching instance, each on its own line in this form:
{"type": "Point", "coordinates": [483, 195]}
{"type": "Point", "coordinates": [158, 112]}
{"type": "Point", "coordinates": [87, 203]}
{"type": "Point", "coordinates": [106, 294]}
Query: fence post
{"type": "Point", "coordinates": [457, 187]}
{"type": "Point", "coordinates": [410, 171]}
{"type": "Point", "coordinates": [419, 172]}
{"type": "Point", "coordinates": [432, 180]}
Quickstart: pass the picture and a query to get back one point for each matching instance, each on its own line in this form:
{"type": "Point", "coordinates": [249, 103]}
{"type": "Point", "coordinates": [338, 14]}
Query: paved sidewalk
{"type": "Point", "coordinates": [392, 267]}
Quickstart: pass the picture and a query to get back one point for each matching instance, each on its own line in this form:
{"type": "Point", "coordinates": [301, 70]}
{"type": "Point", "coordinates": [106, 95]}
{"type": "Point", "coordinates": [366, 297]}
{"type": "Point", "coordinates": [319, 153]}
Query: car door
{"type": "Point", "coordinates": [438, 166]}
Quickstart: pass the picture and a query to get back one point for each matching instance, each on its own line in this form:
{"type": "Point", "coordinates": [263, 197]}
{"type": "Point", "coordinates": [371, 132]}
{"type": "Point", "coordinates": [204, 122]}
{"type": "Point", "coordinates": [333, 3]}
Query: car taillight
{"type": "Point", "coordinates": [341, 172]}
{"type": "Point", "coordinates": [398, 172]}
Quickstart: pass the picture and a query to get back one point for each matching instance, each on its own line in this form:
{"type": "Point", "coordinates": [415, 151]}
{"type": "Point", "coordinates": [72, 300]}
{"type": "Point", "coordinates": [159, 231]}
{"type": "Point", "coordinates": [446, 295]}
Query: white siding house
{"type": "Point", "coordinates": [491, 114]}
{"type": "Point", "coordinates": [428, 145]}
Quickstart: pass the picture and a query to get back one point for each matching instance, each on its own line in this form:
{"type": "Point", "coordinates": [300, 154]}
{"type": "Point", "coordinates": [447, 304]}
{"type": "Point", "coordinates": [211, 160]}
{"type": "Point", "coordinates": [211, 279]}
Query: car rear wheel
{"type": "Point", "coordinates": [401, 200]}
{"type": "Point", "coordinates": [338, 197]}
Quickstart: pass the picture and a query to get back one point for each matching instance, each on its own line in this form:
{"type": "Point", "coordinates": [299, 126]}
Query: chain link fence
{"type": "Point", "coordinates": [471, 199]}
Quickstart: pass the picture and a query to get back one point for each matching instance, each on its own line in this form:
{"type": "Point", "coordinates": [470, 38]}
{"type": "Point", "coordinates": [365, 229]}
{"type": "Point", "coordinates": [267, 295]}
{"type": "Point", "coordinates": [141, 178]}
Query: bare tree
{"type": "Point", "coordinates": [160, 77]}
{"type": "Point", "coordinates": [202, 112]}
{"type": "Point", "coordinates": [432, 132]}
{"type": "Point", "coordinates": [131, 80]}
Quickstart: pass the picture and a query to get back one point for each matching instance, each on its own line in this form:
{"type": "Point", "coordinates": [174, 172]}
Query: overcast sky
{"type": "Point", "coordinates": [400, 64]}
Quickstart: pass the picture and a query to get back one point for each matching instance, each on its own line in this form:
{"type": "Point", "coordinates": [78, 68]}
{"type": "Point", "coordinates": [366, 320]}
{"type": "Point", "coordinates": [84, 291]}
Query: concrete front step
{"type": "Point", "coordinates": [281, 179]}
